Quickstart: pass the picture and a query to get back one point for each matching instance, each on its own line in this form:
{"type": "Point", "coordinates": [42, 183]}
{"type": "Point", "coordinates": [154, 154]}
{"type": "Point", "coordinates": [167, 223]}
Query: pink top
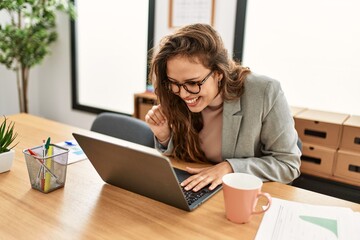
{"type": "Point", "coordinates": [210, 135]}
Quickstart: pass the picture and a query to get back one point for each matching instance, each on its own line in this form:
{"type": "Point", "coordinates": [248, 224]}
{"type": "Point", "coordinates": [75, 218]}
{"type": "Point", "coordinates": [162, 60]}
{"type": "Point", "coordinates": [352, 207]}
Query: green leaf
{"type": "Point", "coordinates": [7, 135]}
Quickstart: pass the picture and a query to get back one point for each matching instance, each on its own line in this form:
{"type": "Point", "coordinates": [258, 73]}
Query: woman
{"type": "Point", "coordinates": [214, 110]}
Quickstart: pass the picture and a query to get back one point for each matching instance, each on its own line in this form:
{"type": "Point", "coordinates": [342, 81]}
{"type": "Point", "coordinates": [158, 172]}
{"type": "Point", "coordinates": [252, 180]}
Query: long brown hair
{"type": "Point", "coordinates": [196, 42]}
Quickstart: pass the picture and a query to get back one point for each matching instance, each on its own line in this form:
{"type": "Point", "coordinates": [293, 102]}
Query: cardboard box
{"type": "Point", "coordinates": [296, 110]}
{"type": "Point", "coordinates": [348, 166]}
{"type": "Point", "coordinates": [320, 128]}
{"type": "Point", "coordinates": [317, 159]}
{"type": "Point", "coordinates": [351, 134]}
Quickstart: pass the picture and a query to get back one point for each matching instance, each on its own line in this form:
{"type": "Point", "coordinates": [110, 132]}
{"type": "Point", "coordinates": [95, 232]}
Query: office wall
{"type": "Point", "coordinates": [9, 101]}
{"type": "Point", "coordinates": [8, 93]}
{"type": "Point", "coordinates": [311, 47]}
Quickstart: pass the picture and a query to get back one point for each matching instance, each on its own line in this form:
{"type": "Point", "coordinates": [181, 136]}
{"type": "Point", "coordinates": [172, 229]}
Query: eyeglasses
{"type": "Point", "coordinates": [190, 87]}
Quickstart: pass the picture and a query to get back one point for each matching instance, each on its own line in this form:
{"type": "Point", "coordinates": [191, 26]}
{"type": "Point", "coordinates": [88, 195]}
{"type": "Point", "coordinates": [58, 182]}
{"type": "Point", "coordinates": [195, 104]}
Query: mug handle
{"type": "Point", "coordinates": [268, 197]}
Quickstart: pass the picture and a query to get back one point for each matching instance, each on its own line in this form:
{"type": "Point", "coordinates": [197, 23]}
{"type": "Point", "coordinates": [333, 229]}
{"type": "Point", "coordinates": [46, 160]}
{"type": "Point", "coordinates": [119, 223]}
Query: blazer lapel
{"type": "Point", "coordinates": [231, 127]}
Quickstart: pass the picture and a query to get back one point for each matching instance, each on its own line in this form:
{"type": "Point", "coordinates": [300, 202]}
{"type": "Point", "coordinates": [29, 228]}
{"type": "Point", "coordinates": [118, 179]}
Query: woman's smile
{"type": "Point", "coordinates": [191, 101]}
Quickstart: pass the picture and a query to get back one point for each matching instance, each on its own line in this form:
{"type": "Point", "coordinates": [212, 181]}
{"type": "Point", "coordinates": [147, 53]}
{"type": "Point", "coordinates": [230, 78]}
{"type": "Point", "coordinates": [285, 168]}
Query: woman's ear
{"type": "Point", "coordinates": [219, 76]}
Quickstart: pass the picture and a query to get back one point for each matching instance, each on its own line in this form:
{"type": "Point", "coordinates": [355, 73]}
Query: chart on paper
{"type": "Point", "coordinates": [303, 226]}
{"type": "Point", "coordinates": [296, 221]}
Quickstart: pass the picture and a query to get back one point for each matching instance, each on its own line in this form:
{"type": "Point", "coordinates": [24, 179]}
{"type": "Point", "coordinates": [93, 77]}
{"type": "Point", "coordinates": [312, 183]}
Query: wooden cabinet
{"type": "Point", "coordinates": [143, 102]}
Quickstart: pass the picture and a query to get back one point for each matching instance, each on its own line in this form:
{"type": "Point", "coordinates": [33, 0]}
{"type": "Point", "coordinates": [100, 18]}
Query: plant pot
{"type": "Point", "coordinates": [6, 160]}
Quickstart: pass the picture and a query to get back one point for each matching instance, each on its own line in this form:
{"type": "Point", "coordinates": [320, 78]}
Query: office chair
{"type": "Point", "coordinates": [124, 127]}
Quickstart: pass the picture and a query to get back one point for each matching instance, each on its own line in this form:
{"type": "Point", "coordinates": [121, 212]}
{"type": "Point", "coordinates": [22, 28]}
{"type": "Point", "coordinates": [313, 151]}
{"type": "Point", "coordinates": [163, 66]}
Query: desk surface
{"type": "Point", "coordinates": [87, 208]}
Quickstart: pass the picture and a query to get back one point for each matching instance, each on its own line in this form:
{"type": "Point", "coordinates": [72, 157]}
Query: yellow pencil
{"type": "Point", "coordinates": [47, 174]}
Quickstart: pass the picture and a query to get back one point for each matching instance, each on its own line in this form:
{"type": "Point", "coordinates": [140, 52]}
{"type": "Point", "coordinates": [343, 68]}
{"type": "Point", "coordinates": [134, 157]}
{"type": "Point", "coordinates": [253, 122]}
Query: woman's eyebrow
{"type": "Point", "coordinates": [187, 80]}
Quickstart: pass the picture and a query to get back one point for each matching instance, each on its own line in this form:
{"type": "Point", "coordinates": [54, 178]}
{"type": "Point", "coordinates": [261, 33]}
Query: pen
{"type": "Point", "coordinates": [42, 168]}
{"type": "Point", "coordinates": [39, 175]}
{"type": "Point", "coordinates": [37, 157]}
{"type": "Point", "coordinates": [48, 163]}
{"type": "Point", "coordinates": [32, 153]}
{"type": "Point", "coordinates": [69, 143]}
{"type": "Point", "coordinates": [47, 144]}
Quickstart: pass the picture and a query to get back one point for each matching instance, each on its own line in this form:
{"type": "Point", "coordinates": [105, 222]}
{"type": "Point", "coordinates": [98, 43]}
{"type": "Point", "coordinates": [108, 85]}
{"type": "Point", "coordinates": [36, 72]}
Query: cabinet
{"type": "Point", "coordinates": [143, 102]}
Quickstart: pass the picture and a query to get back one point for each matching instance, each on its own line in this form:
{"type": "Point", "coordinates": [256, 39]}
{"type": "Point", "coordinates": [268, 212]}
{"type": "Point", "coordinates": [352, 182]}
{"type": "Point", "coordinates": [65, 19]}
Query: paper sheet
{"type": "Point", "coordinates": [189, 11]}
{"type": "Point", "coordinates": [75, 152]}
{"type": "Point", "coordinates": [287, 220]}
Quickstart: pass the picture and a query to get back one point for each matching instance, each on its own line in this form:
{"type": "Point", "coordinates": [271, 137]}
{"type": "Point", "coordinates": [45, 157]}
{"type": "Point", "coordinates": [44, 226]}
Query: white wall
{"type": "Point", "coordinates": [311, 47]}
{"type": "Point", "coordinates": [9, 103]}
{"type": "Point", "coordinates": [50, 83]}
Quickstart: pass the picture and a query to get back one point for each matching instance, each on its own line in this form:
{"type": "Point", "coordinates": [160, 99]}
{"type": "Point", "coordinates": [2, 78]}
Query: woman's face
{"type": "Point", "coordinates": [181, 70]}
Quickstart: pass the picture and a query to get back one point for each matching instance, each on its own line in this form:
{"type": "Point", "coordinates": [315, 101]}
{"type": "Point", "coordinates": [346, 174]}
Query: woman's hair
{"type": "Point", "coordinates": [197, 42]}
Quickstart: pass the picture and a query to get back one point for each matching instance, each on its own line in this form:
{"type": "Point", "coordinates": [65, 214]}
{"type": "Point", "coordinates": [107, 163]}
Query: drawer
{"type": "Point", "coordinates": [317, 159]}
{"type": "Point", "coordinates": [348, 166]}
{"type": "Point", "coordinates": [351, 134]}
{"type": "Point", "coordinates": [320, 128]}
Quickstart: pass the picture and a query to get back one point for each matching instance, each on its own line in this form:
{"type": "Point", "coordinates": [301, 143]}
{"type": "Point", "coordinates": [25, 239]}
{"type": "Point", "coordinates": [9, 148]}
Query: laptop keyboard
{"type": "Point", "coordinates": [192, 196]}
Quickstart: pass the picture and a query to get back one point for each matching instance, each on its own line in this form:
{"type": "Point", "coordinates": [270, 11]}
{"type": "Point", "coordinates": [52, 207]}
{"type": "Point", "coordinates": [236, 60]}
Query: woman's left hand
{"type": "Point", "coordinates": [205, 176]}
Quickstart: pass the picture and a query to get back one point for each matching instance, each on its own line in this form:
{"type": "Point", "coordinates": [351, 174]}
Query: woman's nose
{"type": "Point", "coordinates": [183, 93]}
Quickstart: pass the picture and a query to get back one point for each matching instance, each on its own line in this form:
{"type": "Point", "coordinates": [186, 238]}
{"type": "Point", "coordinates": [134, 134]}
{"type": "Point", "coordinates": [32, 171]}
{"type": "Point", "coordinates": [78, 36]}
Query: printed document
{"type": "Point", "coordinates": [287, 220]}
{"type": "Point", "coordinates": [75, 152]}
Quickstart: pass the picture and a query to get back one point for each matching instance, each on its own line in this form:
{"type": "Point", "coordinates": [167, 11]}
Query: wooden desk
{"type": "Point", "coordinates": [86, 208]}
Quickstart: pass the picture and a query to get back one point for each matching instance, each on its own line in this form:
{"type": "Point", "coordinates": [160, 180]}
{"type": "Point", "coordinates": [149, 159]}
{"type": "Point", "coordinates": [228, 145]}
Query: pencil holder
{"type": "Point", "coordinates": [47, 168]}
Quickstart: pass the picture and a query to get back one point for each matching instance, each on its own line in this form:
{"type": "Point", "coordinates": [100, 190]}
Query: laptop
{"type": "Point", "coordinates": [141, 170]}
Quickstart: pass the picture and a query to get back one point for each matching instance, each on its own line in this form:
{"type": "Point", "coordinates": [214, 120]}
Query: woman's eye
{"type": "Point", "coordinates": [174, 83]}
{"type": "Point", "coordinates": [191, 83]}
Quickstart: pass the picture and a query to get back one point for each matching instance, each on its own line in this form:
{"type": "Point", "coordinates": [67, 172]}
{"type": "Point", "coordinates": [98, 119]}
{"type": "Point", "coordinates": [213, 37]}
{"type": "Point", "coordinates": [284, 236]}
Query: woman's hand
{"type": "Point", "coordinates": [158, 123]}
{"type": "Point", "coordinates": [204, 176]}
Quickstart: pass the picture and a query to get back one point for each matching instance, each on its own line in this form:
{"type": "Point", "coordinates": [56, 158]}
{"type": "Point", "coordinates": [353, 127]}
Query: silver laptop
{"type": "Point", "coordinates": [140, 169]}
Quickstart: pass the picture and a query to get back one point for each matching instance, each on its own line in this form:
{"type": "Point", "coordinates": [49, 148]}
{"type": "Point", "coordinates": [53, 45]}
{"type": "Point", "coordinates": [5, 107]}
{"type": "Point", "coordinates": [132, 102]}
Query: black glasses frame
{"type": "Point", "coordinates": [179, 85]}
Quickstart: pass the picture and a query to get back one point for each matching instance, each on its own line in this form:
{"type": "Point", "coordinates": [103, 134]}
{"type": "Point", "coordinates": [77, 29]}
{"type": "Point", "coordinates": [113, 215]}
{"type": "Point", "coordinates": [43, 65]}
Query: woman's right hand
{"type": "Point", "coordinates": [158, 123]}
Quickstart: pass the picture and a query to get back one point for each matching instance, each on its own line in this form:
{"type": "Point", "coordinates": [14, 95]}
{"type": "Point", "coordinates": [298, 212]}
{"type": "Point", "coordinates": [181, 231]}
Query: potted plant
{"type": "Point", "coordinates": [26, 37]}
{"type": "Point", "coordinates": [7, 137]}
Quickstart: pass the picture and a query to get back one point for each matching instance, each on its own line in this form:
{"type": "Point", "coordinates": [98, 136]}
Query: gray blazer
{"type": "Point", "coordinates": [258, 134]}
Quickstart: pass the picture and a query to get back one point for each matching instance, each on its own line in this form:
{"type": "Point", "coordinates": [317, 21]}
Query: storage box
{"type": "Point", "coordinates": [317, 159]}
{"type": "Point", "coordinates": [296, 110]}
{"type": "Point", "coordinates": [351, 134]}
{"type": "Point", "coordinates": [320, 128]}
{"type": "Point", "coordinates": [348, 166]}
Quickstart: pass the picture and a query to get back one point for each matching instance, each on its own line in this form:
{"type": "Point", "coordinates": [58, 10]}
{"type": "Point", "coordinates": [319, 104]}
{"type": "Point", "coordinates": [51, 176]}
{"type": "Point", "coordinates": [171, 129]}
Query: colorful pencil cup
{"type": "Point", "coordinates": [47, 169]}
